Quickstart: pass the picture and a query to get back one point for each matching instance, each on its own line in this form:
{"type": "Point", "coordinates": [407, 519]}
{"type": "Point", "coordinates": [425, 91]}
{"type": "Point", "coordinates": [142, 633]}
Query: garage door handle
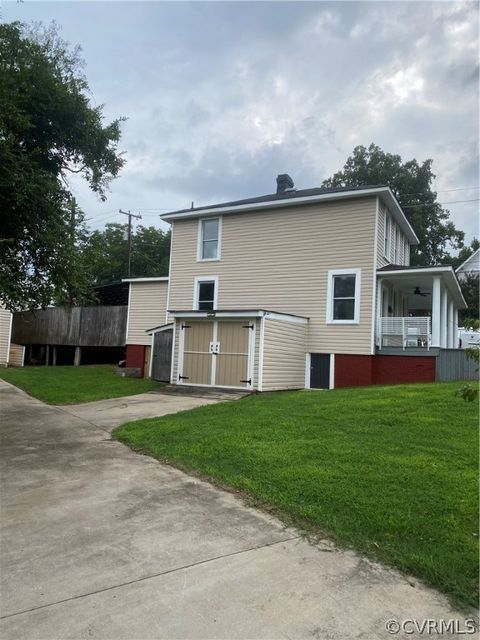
{"type": "Point", "coordinates": [183, 378]}
{"type": "Point", "coordinates": [249, 381]}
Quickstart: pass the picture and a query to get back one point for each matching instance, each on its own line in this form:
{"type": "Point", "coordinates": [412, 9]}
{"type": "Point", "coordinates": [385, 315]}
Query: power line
{"type": "Point", "coordinates": [443, 204]}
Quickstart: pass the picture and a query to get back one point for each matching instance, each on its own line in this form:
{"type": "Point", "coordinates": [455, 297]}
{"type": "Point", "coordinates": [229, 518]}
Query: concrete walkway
{"type": "Point", "coordinates": [100, 542]}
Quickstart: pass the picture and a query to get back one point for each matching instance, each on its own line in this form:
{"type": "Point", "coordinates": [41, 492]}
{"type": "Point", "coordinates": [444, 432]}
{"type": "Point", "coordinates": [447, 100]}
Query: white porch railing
{"type": "Point", "coordinates": [404, 332]}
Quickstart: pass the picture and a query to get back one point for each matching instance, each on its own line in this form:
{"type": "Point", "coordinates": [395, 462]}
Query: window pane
{"type": "Point", "coordinates": [206, 291]}
{"type": "Point", "coordinates": [207, 305]}
{"type": "Point", "coordinates": [210, 230]}
{"type": "Point", "coordinates": [344, 309]}
{"type": "Point", "coordinates": [344, 287]}
{"type": "Point", "coordinates": [209, 249]}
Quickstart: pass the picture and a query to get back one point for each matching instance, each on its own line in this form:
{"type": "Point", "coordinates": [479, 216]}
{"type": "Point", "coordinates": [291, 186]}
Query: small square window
{"type": "Point", "coordinates": [206, 296]}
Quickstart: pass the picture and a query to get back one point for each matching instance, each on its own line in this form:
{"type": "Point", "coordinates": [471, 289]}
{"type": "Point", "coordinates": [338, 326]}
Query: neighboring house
{"type": "Point", "coordinates": [304, 288]}
{"type": "Point", "coordinates": [5, 336]}
{"type": "Point", "coordinates": [471, 265]}
{"type": "Point", "coordinates": [147, 307]}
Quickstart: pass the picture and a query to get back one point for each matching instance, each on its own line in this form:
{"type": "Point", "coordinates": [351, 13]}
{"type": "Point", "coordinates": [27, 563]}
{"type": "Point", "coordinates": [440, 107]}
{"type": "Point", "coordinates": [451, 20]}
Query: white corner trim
{"type": "Point", "coordinates": [172, 365]}
{"type": "Point", "coordinates": [261, 348]}
{"type": "Point", "coordinates": [150, 364]}
{"type": "Point", "coordinates": [128, 312]}
{"type": "Point", "coordinates": [331, 384]}
{"type": "Point", "coordinates": [196, 282]}
{"type": "Point", "coordinates": [308, 362]}
{"type": "Point", "coordinates": [374, 285]}
{"type": "Point", "coordinates": [200, 238]}
{"type": "Point", "coordinates": [358, 286]}
{"type": "Point", "coordinates": [9, 344]}
{"type": "Point", "coordinates": [169, 272]}
{"type": "Point", "coordinates": [181, 347]}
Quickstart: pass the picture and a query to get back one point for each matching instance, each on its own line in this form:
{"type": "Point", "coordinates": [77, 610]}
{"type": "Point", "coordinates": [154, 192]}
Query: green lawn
{"type": "Point", "coordinates": [69, 385]}
{"type": "Point", "coordinates": [389, 471]}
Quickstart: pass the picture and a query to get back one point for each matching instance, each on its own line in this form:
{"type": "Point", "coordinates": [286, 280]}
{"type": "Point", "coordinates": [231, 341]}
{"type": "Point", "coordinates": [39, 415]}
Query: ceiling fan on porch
{"type": "Point", "coordinates": [418, 292]}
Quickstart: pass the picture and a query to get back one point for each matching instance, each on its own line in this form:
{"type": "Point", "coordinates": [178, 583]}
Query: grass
{"type": "Point", "coordinates": [389, 471]}
{"type": "Point", "coordinates": [70, 385]}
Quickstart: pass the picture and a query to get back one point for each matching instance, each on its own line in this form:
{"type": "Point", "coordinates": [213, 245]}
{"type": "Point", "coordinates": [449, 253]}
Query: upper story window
{"type": "Point", "coordinates": [205, 293]}
{"type": "Point", "coordinates": [396, 246]}
{"type": "Point", "coordinates": [406, 257]}
{"type": "Point", "coordinates": [343, 302]}
{"type": "Point", "coordinates": [209, 232]}
{"type": "Point", "coordinates": [386, 240]}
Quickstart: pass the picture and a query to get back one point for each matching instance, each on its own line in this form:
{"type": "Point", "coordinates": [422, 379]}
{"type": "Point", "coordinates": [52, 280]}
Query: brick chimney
{"type": "Point", "coordinates": [284, 183]}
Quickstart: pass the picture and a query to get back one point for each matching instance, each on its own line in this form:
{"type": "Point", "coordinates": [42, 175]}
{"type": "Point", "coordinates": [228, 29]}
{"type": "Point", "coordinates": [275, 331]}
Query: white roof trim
{"type": "Point", "coordinates": [384, 192]}
{"type": "Point", "coordinates": [258, 313]}
{"type": "Point", "coordinates": [163, 279]}
{"type": "Point", "coordinates": [162, 327]}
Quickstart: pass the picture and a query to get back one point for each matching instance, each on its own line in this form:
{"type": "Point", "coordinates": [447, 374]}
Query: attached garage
{"type": "Point", "coordinates": [248, 350]}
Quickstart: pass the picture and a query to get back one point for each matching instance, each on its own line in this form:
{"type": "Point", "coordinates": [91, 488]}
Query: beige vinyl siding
{"type": "Point", "coordinates": [382, 260]}
{"type": "Point", "coordinates": [285, 347]}
{"type": "Point", "coordinates": [147, 308]}
{"type": "Point", "coordinates": [5, 330]}
{"type": "Point", "coordinates": [279, 260]}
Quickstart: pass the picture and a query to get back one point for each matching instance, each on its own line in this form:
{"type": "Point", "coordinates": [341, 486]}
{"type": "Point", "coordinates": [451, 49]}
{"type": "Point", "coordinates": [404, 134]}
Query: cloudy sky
{"type": "Point", "coordinates": [221, 97]}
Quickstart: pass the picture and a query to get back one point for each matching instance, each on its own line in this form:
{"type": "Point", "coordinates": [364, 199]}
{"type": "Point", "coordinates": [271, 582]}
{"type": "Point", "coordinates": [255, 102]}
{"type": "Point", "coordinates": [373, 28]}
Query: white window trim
{"type": "Point", "coordinates": [196, 289]}
{"type": "Point", "coordinates": [200, 240]}
{"type": "Point", "coordinates": [358, 285]}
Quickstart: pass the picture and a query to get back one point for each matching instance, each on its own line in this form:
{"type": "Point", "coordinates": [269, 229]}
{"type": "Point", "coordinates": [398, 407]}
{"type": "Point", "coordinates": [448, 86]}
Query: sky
{"type": "Point", "coordinates": [220, 97]}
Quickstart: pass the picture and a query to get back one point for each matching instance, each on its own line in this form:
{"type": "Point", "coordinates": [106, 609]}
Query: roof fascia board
{"type": "Point", "coordinates": [163, 279]}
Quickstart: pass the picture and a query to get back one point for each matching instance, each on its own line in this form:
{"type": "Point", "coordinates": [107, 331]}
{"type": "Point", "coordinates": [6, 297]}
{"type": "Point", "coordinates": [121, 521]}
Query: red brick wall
{"type": "Point", "coordinates": [403, 369]}
{"type": "Point", "coordinates": [136, 356]}
{"type": "Point", "coordinates": [353, 370]}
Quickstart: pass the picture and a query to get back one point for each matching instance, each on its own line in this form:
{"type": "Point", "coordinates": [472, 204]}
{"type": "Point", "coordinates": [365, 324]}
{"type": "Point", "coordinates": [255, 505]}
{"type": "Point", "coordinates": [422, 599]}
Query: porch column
{"type": "Point", "coordinates": [443, 319]}
{"type": "Point", "coordinates": [450, 338]}
{"type": "Point", "coordinates": [378, 316]}
{"type": "Point", "coordinates": [436, 294]}
{"type": "Point", "coordinates": [455, 328]}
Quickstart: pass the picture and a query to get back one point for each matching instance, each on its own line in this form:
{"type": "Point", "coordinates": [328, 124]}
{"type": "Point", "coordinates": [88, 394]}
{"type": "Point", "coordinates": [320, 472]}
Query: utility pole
{"type": "Point", "coordinates": [130, 216]}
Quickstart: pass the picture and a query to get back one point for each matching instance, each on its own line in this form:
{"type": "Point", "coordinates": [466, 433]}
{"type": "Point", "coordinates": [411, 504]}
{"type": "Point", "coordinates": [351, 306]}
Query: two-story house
{"type": "Point", "coordinates": [303, 289]}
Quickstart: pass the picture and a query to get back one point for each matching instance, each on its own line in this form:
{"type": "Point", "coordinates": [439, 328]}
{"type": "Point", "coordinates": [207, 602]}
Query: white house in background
{"type": "Point", "coordinates": [471, 265]}
{"type": "Point", "coordinates": [300, 288]}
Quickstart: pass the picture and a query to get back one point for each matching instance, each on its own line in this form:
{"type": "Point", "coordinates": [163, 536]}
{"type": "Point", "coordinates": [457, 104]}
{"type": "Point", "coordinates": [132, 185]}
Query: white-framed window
{"type": "Point", "coordinates": [205, 293]}
{"type": "Point", "coordinates": [406, 257]}
{"type": "Point", "coordinates": [386, 239]}
{"type": "Point", "coordinates": [396, 246]}
{"type": "Point", "coordinates": [343, 296]}
{"type": "Point", "coordinates": [209, 239]}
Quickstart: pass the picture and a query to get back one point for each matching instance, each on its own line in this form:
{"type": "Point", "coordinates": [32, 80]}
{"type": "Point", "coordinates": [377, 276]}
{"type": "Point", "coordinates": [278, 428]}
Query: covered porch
{"type": "Point", "coordinates": [417, 308]}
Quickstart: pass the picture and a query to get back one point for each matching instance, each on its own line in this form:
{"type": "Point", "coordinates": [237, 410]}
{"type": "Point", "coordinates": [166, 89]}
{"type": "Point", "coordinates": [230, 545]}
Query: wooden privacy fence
{"type": "Point", "coordinates": [453, 364]}
{"type": "Point", "coordinates": [74, 326]}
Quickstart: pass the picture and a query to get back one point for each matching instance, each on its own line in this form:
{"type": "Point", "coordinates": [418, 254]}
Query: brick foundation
{"type": "Point", "coordinates": [403, 369]}
{"type": "Point", "coordinates": [136, 356]}
{"type": "Point", "coordinates": [361, 371]}
{"type": "Point", "coordinates": [353, 371]}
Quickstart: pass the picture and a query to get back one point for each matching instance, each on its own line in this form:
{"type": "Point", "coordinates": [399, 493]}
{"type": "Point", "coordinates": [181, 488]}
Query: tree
{"type": "Point", "coordinates": [411, 183]}
{"type": "Point", "coordinates": [48, 132]}
{"type": "Point", "coordinates": [105, 254]}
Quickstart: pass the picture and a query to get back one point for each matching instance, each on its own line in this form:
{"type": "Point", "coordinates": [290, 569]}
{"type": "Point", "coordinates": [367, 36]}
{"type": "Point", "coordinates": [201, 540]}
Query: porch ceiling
{"type": "Point", "coordinates": [407, 280]}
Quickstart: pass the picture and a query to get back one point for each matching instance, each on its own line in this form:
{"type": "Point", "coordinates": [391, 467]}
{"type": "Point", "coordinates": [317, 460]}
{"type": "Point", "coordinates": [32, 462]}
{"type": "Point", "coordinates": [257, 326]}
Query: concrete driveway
{"type": "Point", "coordinates": [100, 542]}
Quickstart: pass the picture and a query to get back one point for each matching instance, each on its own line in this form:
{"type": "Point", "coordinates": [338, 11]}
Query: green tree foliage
{"type": "Point", "coordinates": [411, 183]}
{"type": "Point", "coordinates": [105, 254]}
{"type": "Point", "coordinates": [48, 132]}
